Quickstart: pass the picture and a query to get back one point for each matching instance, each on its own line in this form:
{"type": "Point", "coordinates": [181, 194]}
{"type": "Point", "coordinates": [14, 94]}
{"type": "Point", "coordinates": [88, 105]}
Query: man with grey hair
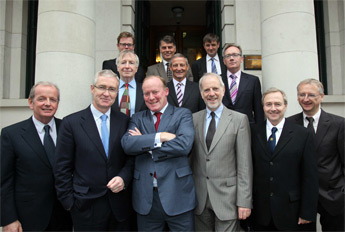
{"type": "Point", "coordinates": [285, 173]}
{"type": "Point", "coordinates": [328, 131]}
{"type": "Point", "coordinates": [130, 98]}
{"type": "Point", "coordinates": [221, 161]}
{"type": "Point", "coordinates": [242, 90]}
{"type": "Point", "coordinates": [92, 171]}
{"type": "Point", "coordinates": [28, 196]}
{"type": "Point", "coordinates": [183, 92]}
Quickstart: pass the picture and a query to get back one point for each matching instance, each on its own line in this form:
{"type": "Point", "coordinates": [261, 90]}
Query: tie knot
{"type": "Point", "coordinates": [46, 128]}
{"type": "Point", "coordinates": [310, 119]}
{"type": "Point", "coordinates": [126, 85]}
{"type": "Point", "coordinates": [212, 114]}
{"type": "Point", "coordinates": [104, 117]}
{"type": "Point", "coordinates": [274, 130]}
{"type": "Point", "coordinates": [167, 64]}
{"type": "Point", "coordinates": [233, 77]}
{"type": "Point", "coordinates": [158, 114]}
{"type": "Point", "coordinates": [212, 58]}
{"type": "Point", "coordinates": [179, 84]}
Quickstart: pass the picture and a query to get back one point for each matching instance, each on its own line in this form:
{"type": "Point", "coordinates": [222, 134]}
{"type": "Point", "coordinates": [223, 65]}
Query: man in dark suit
{"type": "Point", "coordinates": [329, 141]}
{"type": "Point", "coordinates": [285, 172]}
{"type": "Point", "coordinates": [130, 98]}
{"type": "Point", "coordinates": [243, 91]}
{"type": "Point", "coordinates": [182, 92]}
{"type": "Point", "coordinates": [125, 41]}
{"type": "Point", "coordinates": [28, 196]}
{"type": "Point", "coordinates": [167, 49]}
{"type": "Point", "coordinates": [92, 171]}
{"type": "Point", "coordinates": [211, 63]}
{"type": "Point", "coordinates": [160, 139]}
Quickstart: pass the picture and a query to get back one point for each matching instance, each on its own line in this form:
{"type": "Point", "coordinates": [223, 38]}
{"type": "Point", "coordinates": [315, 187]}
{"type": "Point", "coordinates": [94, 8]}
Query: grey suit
{"type": "Point", "coordinates": [224, 173]}
{"type": "Point", "coordinates": [159, 70]}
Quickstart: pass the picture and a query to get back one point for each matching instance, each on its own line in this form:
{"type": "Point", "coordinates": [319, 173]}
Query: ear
{"type": "Point", "coordinates": [31, 104]}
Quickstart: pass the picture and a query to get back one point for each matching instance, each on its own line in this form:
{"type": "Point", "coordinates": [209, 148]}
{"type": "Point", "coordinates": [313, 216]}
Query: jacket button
{"type": "Point", "coordinates": [207, 177]}
{"type": "Point", "coordinates": [271, 163]}
{"type": "Point", "coordinates": [151, 174]}
{"type": "Point", "coordinates": [271, 178]}
{"type": "Point", "coordinates": [207, 159]}
{"type": "Point", "coordinates": [271, 194]}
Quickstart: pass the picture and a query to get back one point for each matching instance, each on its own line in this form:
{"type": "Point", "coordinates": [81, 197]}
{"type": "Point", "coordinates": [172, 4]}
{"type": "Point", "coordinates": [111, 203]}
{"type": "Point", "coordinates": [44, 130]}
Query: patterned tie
{"type": "Point", "coordinates": [214, 68]}
{"type": "Point", "coordinates": [125, 104]}
{"type": "Point", "coordinates": [272, 139]}
{"type": "Point", "coordinates": [179, 94]}
{"type": "Point", "coordinates": [210, 132]}
{"type": "Point", "coordinates": [169, 73]}
{"type": "Point", "coordinates": [233, 89]}
{"type": "Point", "coordinates": [311, 124]}
{"type": "Point", "coordinates": [105, 133]}
{"type": "Point", "coordinates": [48, 144]}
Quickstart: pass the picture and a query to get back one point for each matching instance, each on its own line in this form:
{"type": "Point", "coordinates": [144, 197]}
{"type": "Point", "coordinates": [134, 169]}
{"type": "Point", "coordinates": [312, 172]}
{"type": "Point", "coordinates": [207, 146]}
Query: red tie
{"type": "Point", "coordinates": [158, 116]}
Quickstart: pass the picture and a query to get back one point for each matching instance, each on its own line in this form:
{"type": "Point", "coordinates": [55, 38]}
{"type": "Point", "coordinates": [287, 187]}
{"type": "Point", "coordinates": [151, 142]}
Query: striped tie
{"type": "Point", "coordinates": [214, 68]}
{"type": "Point", "coordinates": [169, 73]}
{"type": "Point", "coordinates": [179, 94]}
{"type": "Point", "coordinates": [233, 89]}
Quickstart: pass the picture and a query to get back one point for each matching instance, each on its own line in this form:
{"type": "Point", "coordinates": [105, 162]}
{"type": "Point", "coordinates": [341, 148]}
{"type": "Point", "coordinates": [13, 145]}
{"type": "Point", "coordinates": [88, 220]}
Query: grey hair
{"type": "Point", "coordinates": [210, 75]}
{"type": "Point", "coordinates": [312, 81]}
{"type": "Point", "coordinates": [125, 52]}
{"type": "Point", "coordinates": [274, 90]}
{"type": "Point", "coordinates": [43, 83]}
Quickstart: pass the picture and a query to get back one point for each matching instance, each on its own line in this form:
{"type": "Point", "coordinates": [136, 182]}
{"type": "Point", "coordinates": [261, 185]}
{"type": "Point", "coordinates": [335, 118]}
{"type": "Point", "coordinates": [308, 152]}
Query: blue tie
{"type": "Point", "coordinates": [214, 68]}
{"type": "Point", "coordinates": [105, 133]}
{"type": "Point", "coordinates": [272, 139]}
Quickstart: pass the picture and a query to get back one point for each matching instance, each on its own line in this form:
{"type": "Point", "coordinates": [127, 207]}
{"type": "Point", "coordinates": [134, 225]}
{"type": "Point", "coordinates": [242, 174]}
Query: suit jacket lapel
{"type": "Point", "coordinates": [166, 118]}
{"type": "Point", "coordinates": [242, 86]}
{"type": "Point", "coordinates": [285, 137]}
{"type": "Point", "coordinates": [227, 91]}
{"type": "Point", "coordinates": [139, 101]}
{"type": "Point", "coordinates": [161, 70]}
{"type": "Point", "coordinates": [33, 140]}
{"type": "Point", "coordinates": [204, 64]}
{"type": "Point", "coordinates": [201, 130]}
{"type": "Point", "coordinates": [262, 138]}
{"type": "Point", "coordinates": [186, 93]}
{"type": "Point", "coordinates": [322, 128]}
{"type": "Point", "coordinates": [89, 125]}
{"type": "Point", "coordinates": [172, 92]}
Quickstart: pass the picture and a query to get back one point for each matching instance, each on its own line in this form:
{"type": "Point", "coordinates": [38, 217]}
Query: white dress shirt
{"type": "Point", "coordinates": [40, 129]}
{"type": "Point", "coordinates": [279, 127]}
{"type": "Point", "coordinates": [216, 62]}
{"type": "Point", "coordinates": [97, 116]}
{"type": "Point", "coordinates": [316, 120]}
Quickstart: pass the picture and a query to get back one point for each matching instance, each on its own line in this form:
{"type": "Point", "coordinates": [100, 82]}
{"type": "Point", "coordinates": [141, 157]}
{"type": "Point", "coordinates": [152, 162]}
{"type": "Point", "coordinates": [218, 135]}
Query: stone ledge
{"type": "Point", "coordinates": [13, 103]}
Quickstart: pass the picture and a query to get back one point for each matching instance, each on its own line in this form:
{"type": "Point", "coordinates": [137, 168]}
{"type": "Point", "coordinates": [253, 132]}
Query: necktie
{"type": "Point", "coordinates": [233, 89]}
{"type": "Point", "coordinates": [158, 116]}
{"type": "Point", "coordinates": [311, 124]}
{"type": "Point", "coordinates": [125, 104]}
{"type": "Point", "coordinates": [169, 73]}
{"type": "Point", "coordinates": [48, 144]}
{"type": "Point", "coordinates": [105, 133]}
{"type": "Point", "coordinates": [214, 68]}
{"type": "Point", "coordinates": [179, 94]}
{"type": "Point", "coordinates": [272, 139]}
{"type": "Point", "coordinates": [210, 132]}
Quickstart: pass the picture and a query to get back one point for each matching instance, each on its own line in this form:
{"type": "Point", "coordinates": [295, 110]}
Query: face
{"type": "Point", "coordinates": [211, 48]}
{"type": "Point", "coordinates": [274, 107]}
{"type": "Point", "coordinates": [179, 68]}
{"type": "Point", "coordinates": [212, 92]}
{"type": "Point", "coordinates": [233, 62]}
{"type": "Point", "coordinates": [167, 50]}
{"type": "Point", "coordinates": [309, 98]}
{"type": "Point", "coordinates": [103, 99]}
{"type": "Point", "coordinates": [126, 44]}
{"type": "Point", "coordinates": [155, 94]}
{"type": "Point", "coordinates": [45, 103]}
{"type": "Point", "coordinates": [127, 67]}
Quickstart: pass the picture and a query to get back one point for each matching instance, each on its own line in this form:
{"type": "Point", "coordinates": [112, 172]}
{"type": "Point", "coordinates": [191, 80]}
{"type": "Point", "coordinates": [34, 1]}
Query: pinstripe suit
{"type": "Point", "coordinates": [224, 173]}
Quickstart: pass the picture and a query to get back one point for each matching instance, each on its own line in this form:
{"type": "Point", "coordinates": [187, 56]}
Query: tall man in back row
{"type": "Point", "coordinates": [242, 90]}
{"type": "Point", "coordinates": [160, 139]}
{"type": "Point", "coordinates": [328, 130]}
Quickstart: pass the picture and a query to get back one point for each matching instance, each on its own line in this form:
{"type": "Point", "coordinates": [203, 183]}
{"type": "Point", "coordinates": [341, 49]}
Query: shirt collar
{"type": "Point", "coordinates": [208, 58]}
{"type": "Point", "coordinates": [184, 81]}
{"type": "Point", "coordinates": [217, 112]}
{"type": "Point", "coordinates": [131, 84]}
{"type": "Point", "coordinates": [279, 126]}
{"type": "Point", "coordinates": [40, 126]}
{"type": "Point", "coordinates": [237, 74]}
{"type": "Point", "coordinates": [315, 116]}
{"type": "Point", "coordinates": [97, 114]}
{"type": "Point", "coordinates": [162, 110]}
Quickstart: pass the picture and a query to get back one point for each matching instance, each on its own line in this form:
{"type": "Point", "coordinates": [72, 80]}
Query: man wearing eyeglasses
{"type": "Point", "coordinates": [328, 130]}
{"type": "Point", "coordinates": [125, 41]}
{"type": "Point", "coordinates": [243, 91]}
{"type": "Point", "coordinates": [92, 171]}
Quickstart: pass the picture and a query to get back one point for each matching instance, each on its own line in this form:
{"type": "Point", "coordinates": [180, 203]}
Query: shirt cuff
{"type": "Point", "coordinates": [158, 140]}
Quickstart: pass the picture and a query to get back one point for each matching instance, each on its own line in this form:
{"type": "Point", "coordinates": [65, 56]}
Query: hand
{"type": "Point", "coordinates": [302, 221]}
{"type": "Point", "coordinates": [13, 227]}
{"type": "Point", "coordinates": [116, 184]}
{"type": "Point", "coordinates": [243, 213]}
{"type": "Point", "coordinates": [134, 132]}
{"type": "Point", "coordinates": [166, 136]}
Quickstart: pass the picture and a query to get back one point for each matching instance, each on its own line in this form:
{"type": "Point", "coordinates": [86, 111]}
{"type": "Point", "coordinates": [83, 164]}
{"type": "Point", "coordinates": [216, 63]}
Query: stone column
{"type": "Point", "coordinates": [289, 49]}
{"type": "Point", "coordinates": [65, 52]}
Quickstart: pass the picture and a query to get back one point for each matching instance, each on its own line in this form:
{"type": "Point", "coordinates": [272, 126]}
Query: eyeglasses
{"type": "Point", "coordinates": [104, 89]}
{"type": "Point", "coordinates": [310, 96]}
{"type": "Point", "coordinates": [126, 45]}
{"type": "Point", "coordinates": [235, 55]}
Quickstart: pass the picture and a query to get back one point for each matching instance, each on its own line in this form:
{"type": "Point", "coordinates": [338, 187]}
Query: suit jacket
{"type": "Point", "coordinates": [224, 173]}
{"type": "Point", "coordinates": [170, 161]}
{"type": "Point", "coordinates": [248, 100]}
{"type": "Point", "coordinates": [82, 168]}
{"type": "Point", "coordinates": [27, 182]}
{"type": "Point", "coordinates": [111, 64]}
{"type": "Point", "coordinates": [191, 98]}
{"type": "Point", "coordinates": [159, 70]}
{"type": "Point", "coordinates": [139, 101]}
{"type": "Point", "coordinates": [329, 141]}
{"type": "Point", "coordinates": [199, 68]}
{"type": "Point", "coordinates": [285, 182]}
